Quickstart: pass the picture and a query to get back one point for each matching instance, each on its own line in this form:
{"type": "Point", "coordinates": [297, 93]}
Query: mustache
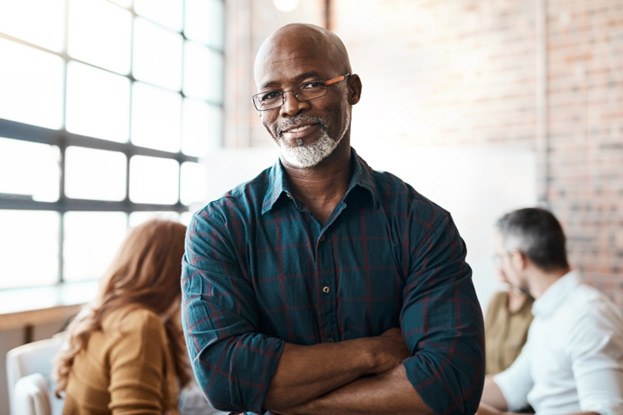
{"type": "Point", "coordinates": [293, 122]}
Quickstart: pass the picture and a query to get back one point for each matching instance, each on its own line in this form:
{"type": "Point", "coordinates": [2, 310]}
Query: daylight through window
{"type": "Point", "coordinates": [107, 108]}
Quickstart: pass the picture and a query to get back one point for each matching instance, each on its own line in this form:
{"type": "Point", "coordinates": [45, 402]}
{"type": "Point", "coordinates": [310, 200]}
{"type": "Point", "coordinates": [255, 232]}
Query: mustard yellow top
{"type": "Point", "coordinates": [127, 368]}
{"type": "Point", "coordinates": [505, 332]}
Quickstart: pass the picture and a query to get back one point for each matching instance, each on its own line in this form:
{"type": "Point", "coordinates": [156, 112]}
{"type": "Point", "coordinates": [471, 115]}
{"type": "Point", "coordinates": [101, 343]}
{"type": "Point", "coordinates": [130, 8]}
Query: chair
{"type": "Point", "coordinates": [33, 358]}
{"type": "Point", "coordinates": [31, 396]}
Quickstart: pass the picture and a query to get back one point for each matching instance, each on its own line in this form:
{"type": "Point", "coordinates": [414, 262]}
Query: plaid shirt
{"type": "Point", "coordinates": [260, 270]}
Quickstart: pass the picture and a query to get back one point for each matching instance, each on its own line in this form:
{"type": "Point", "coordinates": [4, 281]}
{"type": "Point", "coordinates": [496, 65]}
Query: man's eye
{"type": "Point", "coordinates": [312, 85]}
{"type": "Point", "coordinates": [269, 96]}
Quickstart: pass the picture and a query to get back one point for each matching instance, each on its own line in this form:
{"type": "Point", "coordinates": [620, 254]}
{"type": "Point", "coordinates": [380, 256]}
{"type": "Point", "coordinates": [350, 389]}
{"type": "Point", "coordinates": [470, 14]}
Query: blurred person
{"type": "Point", "coordinates": [124, 352]}
{"type": "Point", "coordinates": [323, 286]}
{"type": "Point", "coordinates": [572, 362]}
{"type": "Point", "coordinates": [507, 320]}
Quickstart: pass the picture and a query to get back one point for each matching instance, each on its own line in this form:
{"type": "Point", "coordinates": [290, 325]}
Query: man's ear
{"type": "Point", "coordinates": [354, 89]}
{"type": "Point", "coordinates": [519, 260]}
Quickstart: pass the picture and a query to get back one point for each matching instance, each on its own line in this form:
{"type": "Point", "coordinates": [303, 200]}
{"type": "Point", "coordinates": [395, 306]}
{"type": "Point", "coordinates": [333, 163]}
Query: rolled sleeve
{"type": "Point", "coordinates": [516, 382]}
{"type": "Point", "coordinates": [442, 321]}
{"type": "Point", "coordinates": [595, 348]}
{"type": "Point", "coordinates": [232, 361]}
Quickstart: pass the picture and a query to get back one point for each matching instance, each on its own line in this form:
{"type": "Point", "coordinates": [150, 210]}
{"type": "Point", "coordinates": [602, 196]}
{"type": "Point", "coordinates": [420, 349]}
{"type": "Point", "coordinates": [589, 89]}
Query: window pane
{"type": "Point", "coordinates": [153, 180]}
{"type": "Point", "coordinates": [29, 246]}
{"type": "Point", "coordinates": [31, 82]}
{"type": "Point", "coordinates": [100, 33]}
{"type": "Point", "coordinates": [37, 21]}
{"type": "Point", "coordinates": [215, 75]}
{"type": "Point", "coordinates": [199, 128]}
{"type": "Point", "coordinates": [157, 55]}
{"type": "Point", "coordinates": [204, 21]}
{"type": "Point", "coordinates": [94, 174]}
{"type": "Point", "coordinates": [156, 118]}
{"type": "Point", "coordinates": [194, 183]}
{"type": "Point", "coordinates": [165, 12]}
{"type": "Point", "coordinates": [136, 218]}
{"type": "Point", "coordinates": [91, 241]}
{"type": "Point", "coordinates": [202, 72]}
{"type": "Point", "coordinates": [29, 169]}
{"type": "Point", "coordinates": [98, 103]}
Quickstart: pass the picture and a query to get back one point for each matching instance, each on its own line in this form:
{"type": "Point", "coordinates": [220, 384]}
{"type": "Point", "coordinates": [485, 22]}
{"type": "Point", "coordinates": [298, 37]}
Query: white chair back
{"type": "Point", "coordinates": [30, 358]}
{"type": "Point", "coordinates": [31, 396]}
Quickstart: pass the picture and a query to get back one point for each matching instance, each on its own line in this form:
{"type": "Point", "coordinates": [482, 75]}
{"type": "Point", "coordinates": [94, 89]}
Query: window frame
{"type": "Point", "coordinates": [62, 139]}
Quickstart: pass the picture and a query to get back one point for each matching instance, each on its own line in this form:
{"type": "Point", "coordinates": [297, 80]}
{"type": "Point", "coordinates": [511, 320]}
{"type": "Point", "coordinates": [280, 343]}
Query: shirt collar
{"type": "Point", "coordinates": [278, 182]}
{"type": "Point", "coordinates": [276, 186]}
{"type": "Point", "coordinates": [555, 294]}
{"type": "Point", "coordinates": [363, 177]}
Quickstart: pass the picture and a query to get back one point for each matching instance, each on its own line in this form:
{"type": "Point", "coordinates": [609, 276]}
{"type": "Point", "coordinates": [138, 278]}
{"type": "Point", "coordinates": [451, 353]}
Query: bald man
{"type": "Point", "coordinates": [323, 286]}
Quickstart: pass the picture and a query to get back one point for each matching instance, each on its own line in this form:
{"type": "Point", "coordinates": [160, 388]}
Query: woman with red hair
{"type": "Point", "coordinates": [125, 351]}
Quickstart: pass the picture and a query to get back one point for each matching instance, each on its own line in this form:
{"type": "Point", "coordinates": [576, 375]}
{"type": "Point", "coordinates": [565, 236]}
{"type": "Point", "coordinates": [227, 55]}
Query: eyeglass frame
{"type": "Point", "coordinates": [326, 83]}
{"type": "Point", "coordinates": [498, 258]}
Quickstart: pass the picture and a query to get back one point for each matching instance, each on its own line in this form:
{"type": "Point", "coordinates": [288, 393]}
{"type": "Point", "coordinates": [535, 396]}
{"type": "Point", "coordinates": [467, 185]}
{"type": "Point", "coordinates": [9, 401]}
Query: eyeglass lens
{"type": "Point", "coordinates": [303, 92]}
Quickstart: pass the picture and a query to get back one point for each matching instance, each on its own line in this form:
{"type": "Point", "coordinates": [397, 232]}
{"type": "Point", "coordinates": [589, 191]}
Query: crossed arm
{"type": "Point", "coordinates": [355, 376]}
{"type": "Point", "coordinates": [437, 355]}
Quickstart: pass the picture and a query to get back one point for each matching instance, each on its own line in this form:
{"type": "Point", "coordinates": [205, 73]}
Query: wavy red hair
{"type": "Point", "coordinates": [144, 274]}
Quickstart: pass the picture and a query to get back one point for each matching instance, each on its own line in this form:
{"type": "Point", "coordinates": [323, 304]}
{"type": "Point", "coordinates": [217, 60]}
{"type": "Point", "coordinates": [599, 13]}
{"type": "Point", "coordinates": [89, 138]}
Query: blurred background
{"type": "Point", "coordinates": [112, 112]}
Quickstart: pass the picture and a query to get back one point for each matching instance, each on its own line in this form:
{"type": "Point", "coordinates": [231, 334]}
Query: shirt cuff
{"type": "Point", "coordinates": [515, 401]}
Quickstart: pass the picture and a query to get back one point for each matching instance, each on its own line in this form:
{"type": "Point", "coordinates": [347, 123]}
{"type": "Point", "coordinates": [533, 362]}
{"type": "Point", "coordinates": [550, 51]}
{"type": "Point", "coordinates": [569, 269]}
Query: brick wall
{"type": "Point", "coordinates": [544, 76]}
{"type": "Point", "coordinates": [585, 133]}
{"type": "Point", "coordinates": [443, 71]}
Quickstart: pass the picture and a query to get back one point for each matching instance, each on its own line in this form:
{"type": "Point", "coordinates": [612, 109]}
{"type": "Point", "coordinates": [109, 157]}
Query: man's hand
{"type": "Point", "coordinates": [391, 350]}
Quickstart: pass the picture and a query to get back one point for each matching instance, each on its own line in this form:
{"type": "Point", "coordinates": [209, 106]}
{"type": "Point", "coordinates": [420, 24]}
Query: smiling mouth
{"type": "Point", "coordinates": [299, 132]}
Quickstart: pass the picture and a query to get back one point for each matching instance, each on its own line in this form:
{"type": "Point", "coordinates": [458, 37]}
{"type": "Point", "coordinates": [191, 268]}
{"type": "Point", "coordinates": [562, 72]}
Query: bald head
{"type": "Point", "coordinates": [298, 41]}
{"type": "Point", "coordinates": [306, 67]}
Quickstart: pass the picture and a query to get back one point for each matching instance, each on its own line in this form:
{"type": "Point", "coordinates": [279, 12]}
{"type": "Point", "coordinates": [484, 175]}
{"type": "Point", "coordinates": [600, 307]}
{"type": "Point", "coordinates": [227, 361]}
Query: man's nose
{"type": "Point", "coordinates": [291, 104]}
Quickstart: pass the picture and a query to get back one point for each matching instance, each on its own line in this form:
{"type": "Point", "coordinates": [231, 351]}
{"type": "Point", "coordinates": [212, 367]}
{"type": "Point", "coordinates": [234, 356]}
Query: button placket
{"type": "Point", "coordinates": [326, 284]}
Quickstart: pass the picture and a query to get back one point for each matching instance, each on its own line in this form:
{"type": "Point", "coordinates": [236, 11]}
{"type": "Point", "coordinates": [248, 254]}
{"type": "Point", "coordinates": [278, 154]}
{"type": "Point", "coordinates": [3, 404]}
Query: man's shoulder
{"type": "Point", "coordinates": [586, 306]}
{"type": "Point", "coordinates": [396, 193]}
{"type": "Point", "coordinates": [246, 194]}
{"type": "Point", "coordinates": [584, 296]}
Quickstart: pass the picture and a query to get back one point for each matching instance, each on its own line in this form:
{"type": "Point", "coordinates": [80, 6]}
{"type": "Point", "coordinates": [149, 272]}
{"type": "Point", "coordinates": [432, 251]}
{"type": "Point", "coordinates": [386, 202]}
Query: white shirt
{"type": "Point", "coordinates": [573, 358]}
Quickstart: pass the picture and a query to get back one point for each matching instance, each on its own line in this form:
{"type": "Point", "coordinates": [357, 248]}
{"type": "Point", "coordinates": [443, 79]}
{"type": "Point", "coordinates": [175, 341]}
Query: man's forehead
{"type": "Point", "coordinates": [288, 67]}
{"type": "Point", "coordinates": [294, 45]}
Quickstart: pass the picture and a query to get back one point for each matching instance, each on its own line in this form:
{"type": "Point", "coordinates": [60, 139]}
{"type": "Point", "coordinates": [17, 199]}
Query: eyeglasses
{"type": "Point", "coordinates": [498, 258]}
{"type": "Point", "coordinates": [305, 91]}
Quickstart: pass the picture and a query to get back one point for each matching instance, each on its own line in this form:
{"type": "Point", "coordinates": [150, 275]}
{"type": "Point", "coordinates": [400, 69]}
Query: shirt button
{"type": "Point", "coordinates": [321, 238]}
{"type": "Point", "coordinates": [326, 289]}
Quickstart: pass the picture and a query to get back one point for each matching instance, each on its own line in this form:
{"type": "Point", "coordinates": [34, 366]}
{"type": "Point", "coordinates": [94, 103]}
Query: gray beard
{"type": "Point", "coordinates": [310, 155]}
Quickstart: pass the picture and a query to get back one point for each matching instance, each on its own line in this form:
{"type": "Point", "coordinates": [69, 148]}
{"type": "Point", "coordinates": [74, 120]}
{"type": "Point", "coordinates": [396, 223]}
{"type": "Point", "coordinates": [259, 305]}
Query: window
{"type": "Point", "coordinates": [107, 108]}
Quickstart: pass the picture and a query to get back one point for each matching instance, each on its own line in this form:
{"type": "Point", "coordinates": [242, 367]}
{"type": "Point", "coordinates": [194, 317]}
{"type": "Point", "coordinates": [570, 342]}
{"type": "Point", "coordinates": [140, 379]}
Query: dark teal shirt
{"type": "Point", "coordinates": [260, 270]}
